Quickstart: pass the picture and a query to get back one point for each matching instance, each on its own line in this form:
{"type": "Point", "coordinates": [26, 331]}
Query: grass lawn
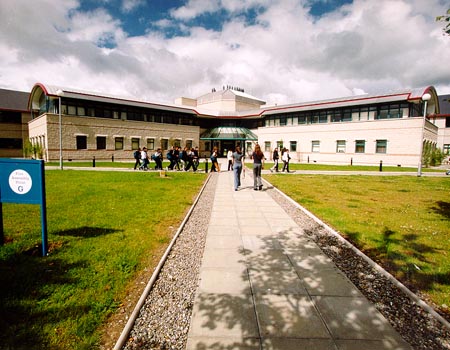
{"type": "Point", "coordinates": [103, 228]}
{"type": "Point", "coordinates": [402, 222]}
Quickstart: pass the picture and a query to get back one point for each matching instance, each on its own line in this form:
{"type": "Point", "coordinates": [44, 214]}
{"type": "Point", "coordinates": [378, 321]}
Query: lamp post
{"type": "Point", "coordinates": [425, 98]}
{"type": "Point", "coordinates": [60, 93]}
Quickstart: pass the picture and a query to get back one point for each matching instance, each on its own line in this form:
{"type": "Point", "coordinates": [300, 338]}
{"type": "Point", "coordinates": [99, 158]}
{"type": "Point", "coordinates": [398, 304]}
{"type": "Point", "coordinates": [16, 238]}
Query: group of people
{"type": "Point", "coordinates": [180, 158]}
{"type": "Point", "coordinates": [237, 163]}
{"type": "Point", "coordinates": [285, 157]}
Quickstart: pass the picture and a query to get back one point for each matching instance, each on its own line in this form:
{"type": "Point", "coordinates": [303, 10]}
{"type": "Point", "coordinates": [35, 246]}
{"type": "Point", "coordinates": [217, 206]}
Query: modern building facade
{"type": "Point", "coordinates": [14, 118]}
{"type": "Point", "coordinates": [362, 129]}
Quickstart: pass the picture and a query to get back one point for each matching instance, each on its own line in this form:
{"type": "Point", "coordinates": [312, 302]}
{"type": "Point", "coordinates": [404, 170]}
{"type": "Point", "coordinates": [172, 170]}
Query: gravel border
{"type": "Point", "coordinates": [163, 322]}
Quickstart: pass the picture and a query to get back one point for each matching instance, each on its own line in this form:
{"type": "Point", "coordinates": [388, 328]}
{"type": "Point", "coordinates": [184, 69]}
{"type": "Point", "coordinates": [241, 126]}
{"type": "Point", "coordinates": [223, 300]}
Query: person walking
{"type": "Point", "coordinates": [238, 163]}
{"type": "Point", "coordinates": [230, 159]}
{"type": "Point", "coordinates": [285, 158]}
{"type": "Point", "coordinates": [275, 158]}
{"type": "Point", "coordinates": [258, 165]}
{"type": "Point", "coordinates": [137, 157]}
{"type": "Point", "coordinates": [144, 158]}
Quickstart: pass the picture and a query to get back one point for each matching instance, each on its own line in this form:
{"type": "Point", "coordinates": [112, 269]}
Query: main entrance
{"type": "Point", "coordinates": [226, 138]}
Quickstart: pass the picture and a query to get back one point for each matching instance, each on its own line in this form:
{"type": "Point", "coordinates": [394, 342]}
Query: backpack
{"type": "Point", "coordinates": [137, 155]}
{"type": "Point", "coordinates": [154, 156]}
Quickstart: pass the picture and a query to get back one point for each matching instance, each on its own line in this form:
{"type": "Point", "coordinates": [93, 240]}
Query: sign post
{"type": "Point", "coordinates": [23, 181]}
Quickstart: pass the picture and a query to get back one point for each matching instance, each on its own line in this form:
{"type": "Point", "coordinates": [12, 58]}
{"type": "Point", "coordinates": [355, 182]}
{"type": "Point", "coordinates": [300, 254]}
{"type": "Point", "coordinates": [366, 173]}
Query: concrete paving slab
{"type": "Point", "coordinates": [354, 318]}
{"type": "Point", "coordinates": [268, 260]}
{"type": "Point", "coordinates": [217, 343]}
{"type": "Point", "coordinates": [224, 221]}
{"type": "Point", "coordinates": [255, 243]}
{"type": "Point", "coordinates": [252, 230]}
{"type": "Point", "coordinates": [276, 281]}
{"type": "Point", "coordinates": [312, 262]}
{"type": "Point", "coordinates": [223, 230]}
{"type": "Point", "coordinates": [226, 258]}
{"type": "Point", "coordinates": [328, 282]}
{"type": "Point", "coordinates": [297, 344]}
{"type": "Point", "coordinates": [224, 280]}
{"type": "Point", "coordinates": [224, 242]}
{"type": "Point", "coordinates": [291, 316]}
{"type": "Point", "coordinates": [223, 315]}
{"type": "Point", "coordinates": [371, 345]}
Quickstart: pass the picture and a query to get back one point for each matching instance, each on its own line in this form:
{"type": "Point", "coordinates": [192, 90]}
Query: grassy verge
{"type": "Point", "coordinates": [401, 222]}
{"type": "Point", "coordinates": [327, 167]}
{"type": "Point", "coordinates": [104, 227]}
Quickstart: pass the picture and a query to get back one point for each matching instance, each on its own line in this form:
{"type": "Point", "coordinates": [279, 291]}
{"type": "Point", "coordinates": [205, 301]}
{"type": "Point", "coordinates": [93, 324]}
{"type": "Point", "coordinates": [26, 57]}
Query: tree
{"type": "Point", "coordinates": [445, 18]}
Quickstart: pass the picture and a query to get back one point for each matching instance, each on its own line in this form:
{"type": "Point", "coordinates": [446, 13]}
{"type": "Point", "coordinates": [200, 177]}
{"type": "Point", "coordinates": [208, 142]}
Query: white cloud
{"type": "Point", "coordinates": [284, 56]}
{"type": "Point", "coordinates": [131, 5]}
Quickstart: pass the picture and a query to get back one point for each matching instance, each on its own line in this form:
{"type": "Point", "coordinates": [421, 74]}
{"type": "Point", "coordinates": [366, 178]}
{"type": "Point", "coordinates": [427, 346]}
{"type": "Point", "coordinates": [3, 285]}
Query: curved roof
{"type": "Point", "coordinates": [228, 133]}
{"type": "Point", "coordinates": [403, 95]}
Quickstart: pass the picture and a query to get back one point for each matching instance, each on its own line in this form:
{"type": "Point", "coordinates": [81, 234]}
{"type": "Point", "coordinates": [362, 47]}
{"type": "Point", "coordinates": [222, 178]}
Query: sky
{"type": "Point", "coordinates": [280, 51]}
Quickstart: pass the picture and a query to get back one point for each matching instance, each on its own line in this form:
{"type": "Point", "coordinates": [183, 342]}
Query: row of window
{"type": "Point", "coordinates": [375, 112]}
{"type": "Point", "coordinates": [119, 143]}
{"type": "Point", "coordinates": [10, 117]}
{"type": "Point", "coordinates": [341, 146]}
{"type": "Point", "coordinates": [11, 143]}
{"type": "Point", "coordinates": [77, 108]}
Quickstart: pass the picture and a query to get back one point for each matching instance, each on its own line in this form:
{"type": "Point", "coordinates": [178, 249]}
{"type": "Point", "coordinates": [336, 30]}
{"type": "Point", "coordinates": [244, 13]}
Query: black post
{"type": "Point", "coordinates": [93, 162]}
{"type": "Point", "coordinates": [351, 161]}
{"type": "Point", "coordinates": [381, 165]}
{"type": "Point", "coordinates": [308, 159]}
{"type": "Point", "coordinates": [112, 158]}
{"type": "Point", "coordinates": [206, 165]}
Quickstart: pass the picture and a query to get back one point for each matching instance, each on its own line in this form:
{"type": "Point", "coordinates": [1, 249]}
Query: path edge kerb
{"type": "Point", "coordinates": [372, 263]}
{"type": "Point", "coordinates": [130, 323]}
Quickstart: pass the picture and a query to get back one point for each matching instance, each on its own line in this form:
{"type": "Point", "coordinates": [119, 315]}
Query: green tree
{"type": "Point", "coordinates": [445, 18]}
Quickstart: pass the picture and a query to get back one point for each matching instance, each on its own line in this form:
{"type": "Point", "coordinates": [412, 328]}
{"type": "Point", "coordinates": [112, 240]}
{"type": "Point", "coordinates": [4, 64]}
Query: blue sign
{"type": "Point", "coordinates": [23, 181]}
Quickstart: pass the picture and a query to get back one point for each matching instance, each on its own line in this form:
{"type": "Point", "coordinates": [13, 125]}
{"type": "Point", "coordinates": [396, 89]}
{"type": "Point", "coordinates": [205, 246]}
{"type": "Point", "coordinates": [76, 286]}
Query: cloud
{"type": "Point", "coordinates": [282, 55]}
{"type": "Point", "coordinates": [131, 5]}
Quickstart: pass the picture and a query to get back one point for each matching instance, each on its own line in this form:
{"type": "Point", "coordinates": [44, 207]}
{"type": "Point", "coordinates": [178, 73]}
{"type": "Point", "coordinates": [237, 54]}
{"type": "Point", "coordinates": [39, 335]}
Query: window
{"type": "Point", "coordinates": [150, 143]}
{"type": "Point", "coordinates": [340, 146]}
{"type": "Point", "coordinates": [189, 144]}
{"type": "Point", "coordinates": [280, 145]}
{"type": "Point", "coordinates": [360, 146]}
{"type": "Point", "coordinates": [447, 122]}
{"type": "Point", "coordinates": [81, 142]}
{"type": "Point", "coordinates": [381, 146]}
{"type": "Point", "coordinates": [267, 146]}
{"type": "Point", "coordinates": [293, 146]}
{"type": "Point", "coordinates": [134, 143]}
{"type": "Point", "coordinates": [315, 146]}
{"type": "Point", "coordinates": [72, 110]}
{"type": "Point", "coordinates": [176, 143]}
{"type": "Point", "coordinates": [101, 142]}
{"type": "Point", "coordinates": [164, 144]}
{"type": "Point", "coordinates": [6, 143]}
{"type": "Point", "coordinates": [10, 117]}
{"type": "Point", "coordinates": [118, 143]}
{"type": "Point", "coordinates": [81, 111]}
{"type": "Point", "coordinates": [446, 149]}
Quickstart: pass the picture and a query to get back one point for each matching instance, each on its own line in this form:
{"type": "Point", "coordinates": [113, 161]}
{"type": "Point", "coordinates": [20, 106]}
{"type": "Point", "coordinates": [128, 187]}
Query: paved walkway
{"type": "Point", "coordinates": [265, 285]}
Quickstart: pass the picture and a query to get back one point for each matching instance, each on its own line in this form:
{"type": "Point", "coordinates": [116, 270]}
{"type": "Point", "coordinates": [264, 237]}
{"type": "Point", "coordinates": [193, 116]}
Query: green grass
{"type": "Point", "coordinates": [401, 222]}
{"type": "Point", "coordinates": [328, 167]}
{"type": "Point", "coordinates": [103, 228]}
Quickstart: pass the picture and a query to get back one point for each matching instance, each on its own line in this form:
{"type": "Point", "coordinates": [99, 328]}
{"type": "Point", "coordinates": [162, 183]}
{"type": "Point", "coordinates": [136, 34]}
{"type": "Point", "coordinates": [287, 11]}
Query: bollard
{"type": "Point", "coordinates": [351, 161]}
{"type": "Point", "coordinates": [93, 162]}
{"type": "Point", "coordinates": [112, 158]}
{"type": "Point", "coordinates": [381, 165]}
{"type": "Point", "coordinates": [206, 165]}
{"type": "Point", "coordinates": [308, 159]}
